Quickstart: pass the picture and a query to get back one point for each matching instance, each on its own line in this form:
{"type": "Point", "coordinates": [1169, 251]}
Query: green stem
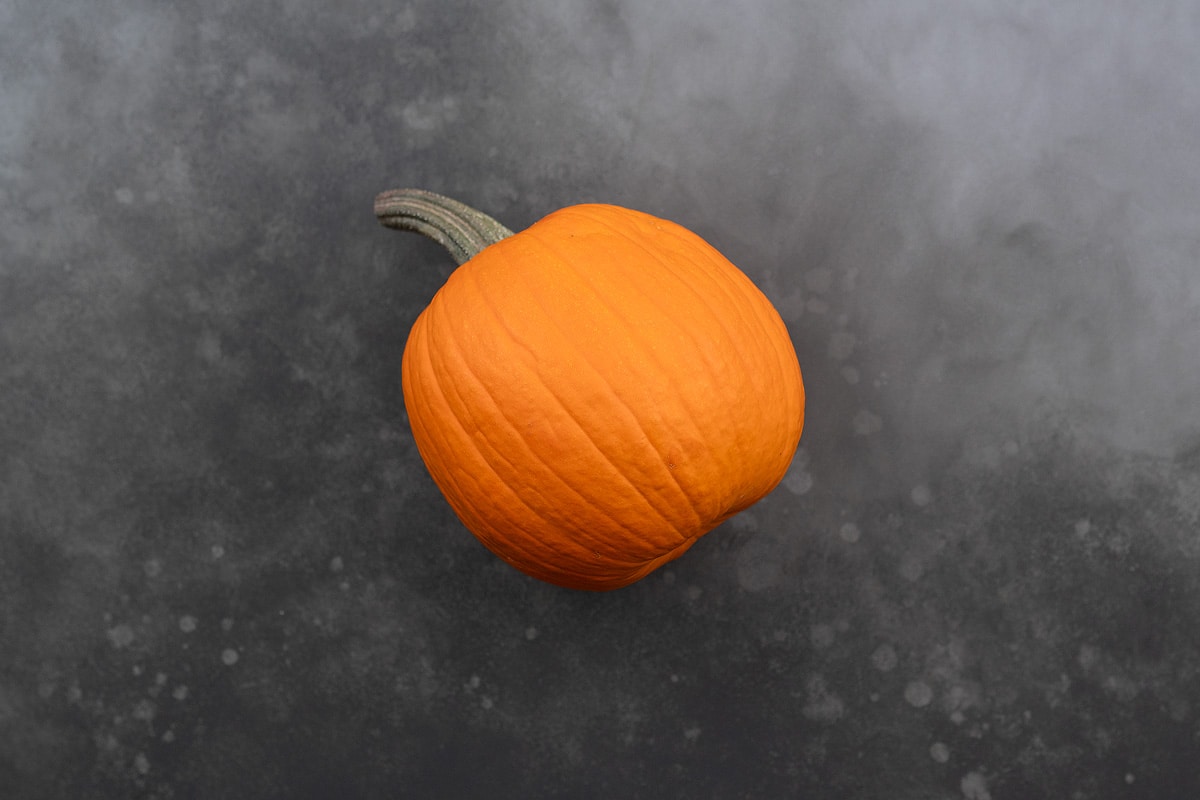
{"type": "Point", "coordinates": [459, 228]}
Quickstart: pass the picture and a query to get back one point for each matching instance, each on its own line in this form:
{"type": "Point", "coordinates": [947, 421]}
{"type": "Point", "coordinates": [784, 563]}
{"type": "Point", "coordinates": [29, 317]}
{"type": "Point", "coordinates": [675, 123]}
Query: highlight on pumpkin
{"type": "Point", "coordinates": [594, 393]}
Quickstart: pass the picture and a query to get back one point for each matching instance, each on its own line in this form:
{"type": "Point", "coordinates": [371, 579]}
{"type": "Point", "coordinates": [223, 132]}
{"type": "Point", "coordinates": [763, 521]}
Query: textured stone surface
{"type": "Point", "coordinates": [224, 571]}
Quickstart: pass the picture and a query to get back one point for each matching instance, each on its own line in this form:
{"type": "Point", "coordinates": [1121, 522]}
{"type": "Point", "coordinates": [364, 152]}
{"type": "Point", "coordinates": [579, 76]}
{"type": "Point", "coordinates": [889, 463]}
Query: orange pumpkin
{"type": "Point", "coordinates": [595, 392]}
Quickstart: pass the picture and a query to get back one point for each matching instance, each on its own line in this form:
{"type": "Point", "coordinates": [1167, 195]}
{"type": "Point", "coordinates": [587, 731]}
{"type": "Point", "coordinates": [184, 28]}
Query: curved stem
{"type": "Point", "coordinates": [459, 228]}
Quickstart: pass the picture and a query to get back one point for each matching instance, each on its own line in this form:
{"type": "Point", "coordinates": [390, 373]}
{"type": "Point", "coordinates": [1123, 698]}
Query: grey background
{"type": "Point", "coordinates": [224, 571]}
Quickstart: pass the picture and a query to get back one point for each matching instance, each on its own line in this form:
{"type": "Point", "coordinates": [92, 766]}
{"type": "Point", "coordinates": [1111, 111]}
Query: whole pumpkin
{"type": "Point", "coordinates": [595, 392]}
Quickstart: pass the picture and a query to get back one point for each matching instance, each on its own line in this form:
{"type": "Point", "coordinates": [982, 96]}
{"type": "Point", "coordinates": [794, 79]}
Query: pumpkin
{"type": "Point", "coordinates": [593, 393]}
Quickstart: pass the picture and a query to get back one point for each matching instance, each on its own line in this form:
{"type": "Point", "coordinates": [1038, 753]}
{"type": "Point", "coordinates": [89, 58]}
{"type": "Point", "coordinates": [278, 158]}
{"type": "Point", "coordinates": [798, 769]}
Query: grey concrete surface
{"type": "Point", "coordinates": [225, 573]}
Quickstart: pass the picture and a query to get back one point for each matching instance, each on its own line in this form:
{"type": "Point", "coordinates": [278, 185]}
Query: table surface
{"type": "Point", "coordinates": [225, 572]}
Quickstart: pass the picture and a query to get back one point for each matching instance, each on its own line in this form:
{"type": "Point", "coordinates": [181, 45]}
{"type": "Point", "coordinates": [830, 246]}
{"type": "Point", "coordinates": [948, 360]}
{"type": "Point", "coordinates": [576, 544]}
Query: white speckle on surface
{"type": "Point", "coordinates": [921, 495]}
{"type": "Point", "coordinates": [120, 635]}
{"type": "Point", "coordinates": [473, 682]}
{"type": "Point", "coordinates": [918, 694]}
{"type": "Point", "coordinates": [144, 710]}
{"type": "Point", "coordinates": [745, 521]}
{"type": "Point", "coordinates": [1083, 527]}
{"type": "Point", "coordinates": [169, 736]}
{"type": "Point", "coordinates": [217, 551]}
{"type": "Point", "coordinates": [850, 532]}
{"type": "Point", "coordinates": [486, 702]}
{"type": "Point", "coordinates": [960, 697]}
{"type": "Point", "coordinates": [841, 345]}
{"type": "Point", "coordinates": [939, 752]}
{"type": "Point", "coordinates": [798, 481]}
{"type": "Point", "coordinates": [152, 568]}
{"type": "Point", "coordinates": [1130, 777]}
{"type": "Point", "coordinates": [884, 658]}
{"type": "Point", "coordinates": [822, 636]}
{"type": "Point", "coordinates": [694, 592]}
{"type": "Point", "coordinates": [531, 633]}
{"type": "Point", "coordinates": [692, 733]}
{"type": "Point", "coordinates": [187, 623]}
{"type": "Point", "coordinates": [974, 787]}
{"type": "Point", "coordinates": [851, 375]}
{"type": "Point", "coordinates": [229, 656]}
{"type": "Point", "coordinates": [208, 349]}
{"type": "Point", "coordinates": [180, 692]}
{"type": "Point", "coordinates": [429, 116]}
{"type": "Point", "coordinates": [1119, 544]}
{"type": "Point", "coordinates": [46, 689]}
{"type": "Point", "coordinates": [141, 763]}
{"type": "Point", "coordinates": [865, 423]}
{"type": "Point", "coordinates": [821, 703]}
{"type": "Point", "coordinates": [1089, 656]}
{"type": "Point", "coordinates": [911, 568]}
{"type": "Point", "coordinates": [336, 564]}
{"type": "Point", "coordinates": [124, 195]}
{"type": "Point", "coordinates": [227, 624]}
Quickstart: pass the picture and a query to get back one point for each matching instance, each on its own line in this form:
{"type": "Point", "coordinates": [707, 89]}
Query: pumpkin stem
{"type": "Point", "coordinates": [457, 227]}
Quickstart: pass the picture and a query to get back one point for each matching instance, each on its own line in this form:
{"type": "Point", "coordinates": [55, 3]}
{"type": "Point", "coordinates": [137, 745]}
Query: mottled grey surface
{"type": "Point", "coordinates": [224, 571]}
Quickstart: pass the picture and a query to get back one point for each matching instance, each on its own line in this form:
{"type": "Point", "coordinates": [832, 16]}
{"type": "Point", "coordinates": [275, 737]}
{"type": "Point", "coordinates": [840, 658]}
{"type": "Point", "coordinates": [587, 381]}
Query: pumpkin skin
{"type": "Point", "coordinates": [594, 393]}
